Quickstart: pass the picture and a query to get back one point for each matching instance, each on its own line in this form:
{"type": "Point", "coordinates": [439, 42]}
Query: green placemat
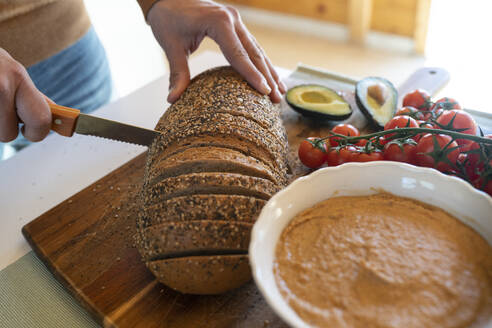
{"type": "Point", "coordinates": [31, 297]}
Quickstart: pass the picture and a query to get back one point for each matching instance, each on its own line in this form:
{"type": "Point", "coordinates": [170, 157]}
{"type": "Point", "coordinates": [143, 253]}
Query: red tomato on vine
{"type": "Point", "coordinates": [446, 104]}
{"type": "Point", "coordinates": [459, 121]}
{"type": "Point", "coordinates": [312, 152]}
{"type": "Point", "coordinates": [404, 153]}
{"type": "Point", "coordinates": [419, 99]}
{"type": "Point", "coordinates": [437, 151]}
{"type": "Point", "coordinates": [339, 156]}
{"type": "Point", "coordinates": [343, 129]}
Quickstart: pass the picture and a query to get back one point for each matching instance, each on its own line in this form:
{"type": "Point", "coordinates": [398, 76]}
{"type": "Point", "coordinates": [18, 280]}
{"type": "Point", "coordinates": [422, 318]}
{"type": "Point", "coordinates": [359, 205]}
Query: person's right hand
{"type": "Point", "coordinates": [21, 102]}
{"type": "Point", "coordinates": [180, 26]}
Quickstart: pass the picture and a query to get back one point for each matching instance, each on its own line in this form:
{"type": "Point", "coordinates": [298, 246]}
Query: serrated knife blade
{"type": "Point", "coordinates": [66, 121]}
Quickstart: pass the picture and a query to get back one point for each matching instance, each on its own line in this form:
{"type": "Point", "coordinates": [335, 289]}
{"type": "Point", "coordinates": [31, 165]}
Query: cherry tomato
{"type": "Point", "coordinates": [361, 143]}
{"type": "Point", "coordinates": [401, 121]}
{"type": "Point", "coordinates": [425, 155]}
{"type": "Point", "coordinates": [461, 122]}
{"type": "Point", "coordinates": [473, 170]}
{"type": "Point", "coordinates": [419, 99]}
{"type": "Point", "coordinates": [404, 153]}
{"type": "Point", "coordinates": [462, 158]}
{"type": "Point", "coordinates": [382, 140]}
{"type": "Point", "coordinates": [375, 155]}
{"type": "Point", "coordinates": [446, 104]}
{"type": "Point", "coordinates": [312, 152]}
{"type": "Point", "coordinates": [344, 129]}
{"type": "Point", "coordinates": [410, 111]}
{"type": "Point", "coordinates": [344, 155]}
{"type": "Point", "coordinates": [427, 125]}
{"type": "Point", "coordinates": [488, 188]}
{"type": "Point", "coordinates": [486, 185]}
{"type": "Point", "coordinates": [433, 113]}
{"type": "Point", "coordinates": [471, 151]}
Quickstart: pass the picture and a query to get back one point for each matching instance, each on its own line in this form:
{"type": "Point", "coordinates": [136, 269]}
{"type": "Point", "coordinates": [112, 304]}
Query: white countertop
{"type": "Point", "coordinates": [46, 173]}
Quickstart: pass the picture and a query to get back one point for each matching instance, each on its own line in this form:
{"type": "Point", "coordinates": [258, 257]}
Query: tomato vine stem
{"type": "Point", "coordinates": [409, 132]}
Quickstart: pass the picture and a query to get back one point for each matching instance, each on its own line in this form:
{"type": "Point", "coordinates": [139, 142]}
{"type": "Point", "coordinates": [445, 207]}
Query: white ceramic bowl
{"type": "Point", "coordinates": [354, 179]}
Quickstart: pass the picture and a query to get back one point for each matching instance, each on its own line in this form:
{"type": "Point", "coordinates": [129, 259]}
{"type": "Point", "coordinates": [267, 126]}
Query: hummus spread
{"type": "Point", "coordinates": [384, 261]}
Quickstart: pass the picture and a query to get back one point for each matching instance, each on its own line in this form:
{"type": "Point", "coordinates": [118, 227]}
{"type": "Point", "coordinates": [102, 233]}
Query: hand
{"type": "Point", "coordinates": [180, 26]}
{"type": "Point", "coordinates": [20, 101]}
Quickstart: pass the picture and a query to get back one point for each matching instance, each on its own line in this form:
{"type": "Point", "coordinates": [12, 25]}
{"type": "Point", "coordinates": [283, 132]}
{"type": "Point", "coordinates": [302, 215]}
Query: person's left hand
{"type": "Point", "coordinates": [180, 26]}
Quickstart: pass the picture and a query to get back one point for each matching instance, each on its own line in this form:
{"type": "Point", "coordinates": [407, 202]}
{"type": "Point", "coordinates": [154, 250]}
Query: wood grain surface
{"type": "Point", "coordinates": [87, 243]}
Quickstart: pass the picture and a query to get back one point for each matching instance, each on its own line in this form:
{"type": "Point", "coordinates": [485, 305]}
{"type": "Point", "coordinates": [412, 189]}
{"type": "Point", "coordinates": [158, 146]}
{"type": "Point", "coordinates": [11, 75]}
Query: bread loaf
{"type": "Point", "coordinates": [221, 156]}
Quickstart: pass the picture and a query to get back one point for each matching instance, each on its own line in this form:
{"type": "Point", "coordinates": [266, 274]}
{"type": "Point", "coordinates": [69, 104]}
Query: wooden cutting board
{"type": "Point", "coordinates": [87, 243]}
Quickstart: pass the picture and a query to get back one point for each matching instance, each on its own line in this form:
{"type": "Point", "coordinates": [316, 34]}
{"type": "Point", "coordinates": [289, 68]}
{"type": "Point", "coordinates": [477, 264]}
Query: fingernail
{"type": "Point", "coordinates": [265, 88]}
{"type": "Point", "coordinates": [278, 96]}
{"type": "Point", "coordinates": [170, 94]}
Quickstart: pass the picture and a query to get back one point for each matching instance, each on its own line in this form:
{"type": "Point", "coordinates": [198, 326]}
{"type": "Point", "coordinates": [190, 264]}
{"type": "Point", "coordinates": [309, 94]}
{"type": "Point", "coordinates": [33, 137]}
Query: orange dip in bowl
{"type": "Point", "coordinates": [384, 261]}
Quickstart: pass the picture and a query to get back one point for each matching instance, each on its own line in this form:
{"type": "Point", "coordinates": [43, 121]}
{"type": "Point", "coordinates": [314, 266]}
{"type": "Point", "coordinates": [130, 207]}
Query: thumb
{"type": "Point", "coordinates": [179, 70]}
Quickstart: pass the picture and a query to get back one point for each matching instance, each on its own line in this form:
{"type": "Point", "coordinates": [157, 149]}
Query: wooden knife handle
{"type": "Point", "coordinates": [63, 119]}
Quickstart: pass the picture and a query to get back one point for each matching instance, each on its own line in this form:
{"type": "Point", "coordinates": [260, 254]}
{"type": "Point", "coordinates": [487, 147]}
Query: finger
{"type": "Point", "coordinates": [9, 123]}
{"type": "Point", "coordinates": [32, 110]}
{"type": "Point", "coordinates": [281, 85]}
{"type": "Point", "coordinates": [233, 50]}
{"type": "Point", "coordinates": [258, 56]}
{"type": "Point", "coordinates": [258, 60]}
{"type": "Point", "coordinates": [48, 99]}
{"type": "Point", "coordinates": [179, 71]}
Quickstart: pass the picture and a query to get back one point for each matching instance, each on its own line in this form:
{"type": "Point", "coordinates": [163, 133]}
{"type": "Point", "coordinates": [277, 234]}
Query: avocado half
{"type": "Point", "coordinates": [319, 102]}
{"type": "Point", "coordinates": [377, 98]}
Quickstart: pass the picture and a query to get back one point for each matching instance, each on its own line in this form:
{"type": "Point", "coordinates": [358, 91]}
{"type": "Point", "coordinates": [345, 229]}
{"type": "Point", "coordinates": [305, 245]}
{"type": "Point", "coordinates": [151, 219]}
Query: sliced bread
{"type": "Point", "coordinates": [235, 208]}
{"type": "Point", "coordinates": [209, 183]}
{"type": "Point", "coordinates": [202, 274]}
{"type": "Point", "coordinates": [209, 159]}
{"type": "Point", "coordinates": [190, 238]}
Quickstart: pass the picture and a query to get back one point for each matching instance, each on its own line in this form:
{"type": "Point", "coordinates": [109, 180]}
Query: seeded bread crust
{"type": "Point", "coordinates": [275, 138]}
{"type": "Point", "coordinates": [209, 159]}
{"type": "Point", "coordinates": [226, 124]}
{"type": "Point", "coordinates": [272, 137]}
{"type": "Point", "coordinates": [203, 274]}
{"type": "Point", "coordinates": [228, 141]}
{"type": "Point", "coordinates": [234, 208]}
{"type": "Point", "coordinates": [223, 88]}
{"type": "Point", "coordinates": [210, 183]}
{"type": "Point", "coordinates": [177, 239]}
{"type": "Point", "coordinates": [268, 122]}
{"type": "Point", "coordinates": [276, 154]}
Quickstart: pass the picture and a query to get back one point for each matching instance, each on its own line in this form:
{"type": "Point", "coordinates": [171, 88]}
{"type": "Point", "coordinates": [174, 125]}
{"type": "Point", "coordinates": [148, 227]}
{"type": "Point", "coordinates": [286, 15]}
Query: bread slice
{"type": "Point", "coordinates": [271, 123]}
{"type": "Point", "coordinates": [267, 137]}
{"type": "Point", "coordinates": [209, 159]}
{"type": "Point", "coordinates": [209, 183]}
{"type": "Point", "coordinates": [274, 132]}
{"type": "Point", "coordinates": [270, 151]}
{"type": "Point", "coordinates": [202, 274]}
{"type": "Point", "coordinates": [190, 238]}
{"type": "Point", "coordinates": [228, 141]}
{"type": "Point", "coordinates": [234, 208]}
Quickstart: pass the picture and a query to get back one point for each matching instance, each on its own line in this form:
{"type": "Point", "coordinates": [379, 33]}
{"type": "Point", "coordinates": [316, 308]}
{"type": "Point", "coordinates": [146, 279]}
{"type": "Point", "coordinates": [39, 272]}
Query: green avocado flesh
{"type": "Point", "coordinates": [377, 99]}
{"type": "Point", "coordinates": [318, 101]}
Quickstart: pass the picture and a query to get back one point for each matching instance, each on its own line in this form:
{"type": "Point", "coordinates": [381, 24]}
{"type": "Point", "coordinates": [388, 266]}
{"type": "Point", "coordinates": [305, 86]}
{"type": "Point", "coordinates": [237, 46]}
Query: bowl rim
{"type": "Point", "coordinates": [291, 317]}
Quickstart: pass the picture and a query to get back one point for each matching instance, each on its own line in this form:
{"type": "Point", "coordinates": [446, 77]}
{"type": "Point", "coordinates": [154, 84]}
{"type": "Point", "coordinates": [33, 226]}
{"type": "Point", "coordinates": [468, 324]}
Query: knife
{"type": "Point", "coordinates": [66, 121]}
